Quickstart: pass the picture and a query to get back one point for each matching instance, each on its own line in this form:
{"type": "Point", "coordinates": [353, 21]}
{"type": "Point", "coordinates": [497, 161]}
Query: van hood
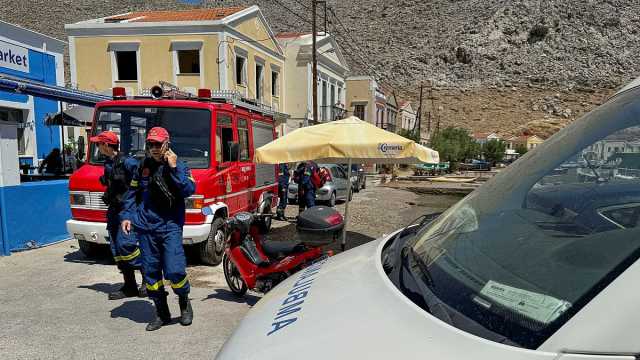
{"type": "Point", "coordinates": [347, 308]}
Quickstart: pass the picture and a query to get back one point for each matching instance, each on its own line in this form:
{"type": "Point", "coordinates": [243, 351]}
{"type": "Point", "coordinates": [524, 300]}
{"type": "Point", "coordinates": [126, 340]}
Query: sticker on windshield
{"type": "Point", "coordinates": [539, 307]}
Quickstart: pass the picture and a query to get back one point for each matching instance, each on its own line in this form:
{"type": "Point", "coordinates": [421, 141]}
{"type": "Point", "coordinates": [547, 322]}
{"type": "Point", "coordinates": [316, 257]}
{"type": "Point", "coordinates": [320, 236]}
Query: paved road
{"type": "Point", "coordinates": [53, 301]}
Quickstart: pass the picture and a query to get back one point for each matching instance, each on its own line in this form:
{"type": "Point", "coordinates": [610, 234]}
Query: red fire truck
{"type": "Point", "coordinates": [215, 135]}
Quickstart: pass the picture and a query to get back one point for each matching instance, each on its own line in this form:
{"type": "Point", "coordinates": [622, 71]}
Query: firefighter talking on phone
{"type": "Point", "coordinates": [154, 210]}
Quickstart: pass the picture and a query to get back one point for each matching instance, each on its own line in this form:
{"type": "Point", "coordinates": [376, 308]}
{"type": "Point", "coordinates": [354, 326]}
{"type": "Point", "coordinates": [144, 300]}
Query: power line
{"type": "Point", "coordinates": [357, 55]}
{"type": "Point", "coordinates": [293, 12]}
{"type": "Point", "coordinates": [358, 50]}
{"type": "Point", "coordinates": [306, 7]}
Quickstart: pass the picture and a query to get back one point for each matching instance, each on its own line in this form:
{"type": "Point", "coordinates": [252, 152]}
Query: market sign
{"type": "Point", "coordinates": [14, 57]}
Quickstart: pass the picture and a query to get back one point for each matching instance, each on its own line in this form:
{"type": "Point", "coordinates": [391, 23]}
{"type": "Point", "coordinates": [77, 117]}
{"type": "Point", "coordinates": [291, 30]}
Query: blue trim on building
{"type": "Point", "coordinates": [36, 211]}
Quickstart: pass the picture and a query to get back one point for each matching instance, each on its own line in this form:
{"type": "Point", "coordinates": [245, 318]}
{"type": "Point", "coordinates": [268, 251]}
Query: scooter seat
{"type": "Point", "coordinates": [280, 249]}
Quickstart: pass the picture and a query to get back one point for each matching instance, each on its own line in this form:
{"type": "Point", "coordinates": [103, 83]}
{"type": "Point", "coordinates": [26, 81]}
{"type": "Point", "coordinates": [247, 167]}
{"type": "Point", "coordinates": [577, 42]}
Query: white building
{"type": "Point", "coordinates": [332, 71]}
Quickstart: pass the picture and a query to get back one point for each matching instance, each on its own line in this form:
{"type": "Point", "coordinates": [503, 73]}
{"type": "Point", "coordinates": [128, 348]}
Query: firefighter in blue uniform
{"type": "Point", "coordinates": [155, 210]}
{"type": "Point", "coordinates": [283, 187]}
{"type": "Point", "coordinates": [306, 188]}
{"type": "Point", "coordinates": [118, 173]}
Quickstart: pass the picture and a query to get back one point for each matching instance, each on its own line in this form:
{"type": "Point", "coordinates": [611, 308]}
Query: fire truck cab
{"type": "Point", "coordinates": [215, 136]}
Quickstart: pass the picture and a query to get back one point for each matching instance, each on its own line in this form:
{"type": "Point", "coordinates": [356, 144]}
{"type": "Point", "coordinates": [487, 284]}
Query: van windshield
{"type": "Point", "coordinates": [189, 129]}
{"type": "Point", "coordinates": [525, 252]}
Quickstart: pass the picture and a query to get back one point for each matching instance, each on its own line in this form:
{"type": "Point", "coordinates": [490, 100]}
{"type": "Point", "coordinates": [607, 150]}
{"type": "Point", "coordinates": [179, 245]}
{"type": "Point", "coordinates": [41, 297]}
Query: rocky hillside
{"type": "Point", "coordinates": [495, 64]}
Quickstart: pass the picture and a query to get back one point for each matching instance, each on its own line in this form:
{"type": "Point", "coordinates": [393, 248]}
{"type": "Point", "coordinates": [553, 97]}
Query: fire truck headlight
{"type": "Point", "coordinates": [77, 199]}
{"type": "Point", "coordinates": [194, 202]}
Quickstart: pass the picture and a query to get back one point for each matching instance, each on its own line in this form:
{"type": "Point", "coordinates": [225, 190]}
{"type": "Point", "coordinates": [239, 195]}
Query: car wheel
{"type": "Point", "coordinates": [332, 200]}
{"type": "Point", "coordinates": [233, 277]}
{"type": "Point", "coordinates": [89, 249]}
{"type": "Point", "coordinates": [211, 250]}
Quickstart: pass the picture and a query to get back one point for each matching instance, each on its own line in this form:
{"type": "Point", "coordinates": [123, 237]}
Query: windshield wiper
{"type": "Point", "coordinates": [390, 260]}
{"type": "Point", "coordinates": [424, 268]}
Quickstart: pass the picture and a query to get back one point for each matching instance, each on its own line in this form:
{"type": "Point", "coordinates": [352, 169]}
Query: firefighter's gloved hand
{"type": "Point", "coordinates": [126, 226]}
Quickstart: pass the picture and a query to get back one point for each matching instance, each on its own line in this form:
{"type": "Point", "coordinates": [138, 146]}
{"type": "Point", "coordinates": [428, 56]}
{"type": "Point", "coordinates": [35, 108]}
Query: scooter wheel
{"type": "Point", "coordinates": [233, 277]}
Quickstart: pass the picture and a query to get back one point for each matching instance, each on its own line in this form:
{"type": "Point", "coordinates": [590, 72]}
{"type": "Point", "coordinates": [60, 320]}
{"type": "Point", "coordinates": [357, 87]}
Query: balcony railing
{"type": "Point", "coordinates": [331, 113]}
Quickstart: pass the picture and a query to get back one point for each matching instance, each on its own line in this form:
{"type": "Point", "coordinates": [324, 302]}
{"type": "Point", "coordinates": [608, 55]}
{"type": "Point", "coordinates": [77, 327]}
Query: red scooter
{"type": "Point", "coordinates": [251, 261]}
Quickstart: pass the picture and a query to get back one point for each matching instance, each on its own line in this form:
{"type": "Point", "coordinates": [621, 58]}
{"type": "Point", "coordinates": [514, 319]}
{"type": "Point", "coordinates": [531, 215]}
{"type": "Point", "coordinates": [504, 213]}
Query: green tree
{"type": "Point", "coordinates": [455, 145]}
{"type": "Point", "coordinates": [411, 135]}
{"type": "Point", "coordinates": [493, 151]}
{"type": "Point", "coordinates": [521, 149]}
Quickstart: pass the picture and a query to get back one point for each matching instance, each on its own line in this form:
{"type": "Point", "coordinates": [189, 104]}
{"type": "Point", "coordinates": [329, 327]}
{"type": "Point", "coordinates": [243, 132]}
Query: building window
{"type": "Point", "coordinates": [275, 83]}
{"type": "Point", "coordinates": [259, 82]}
{"type": "Point", "coordinates": [241, 71]}
{"type": "Point", "coordinates": [358, 111]}
{"type": "Point", "coordinates": [127, 65]}
{"type": "Point", "coordinates": [339, 94]}
{"type": "Point", "coordinates": [189, 61]}
{"type": "Point", "coordinates": [16, 117]}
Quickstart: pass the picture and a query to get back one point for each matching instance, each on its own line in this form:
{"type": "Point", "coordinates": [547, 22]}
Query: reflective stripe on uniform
{"type": "Point", "coordinates": [129, 257]}
{"type": "Point", "coordinates": [155, 287]}
{"type": "Point", "coordinates": [181, 283]}
{"type": "Point", "coordinates": [134, 183]}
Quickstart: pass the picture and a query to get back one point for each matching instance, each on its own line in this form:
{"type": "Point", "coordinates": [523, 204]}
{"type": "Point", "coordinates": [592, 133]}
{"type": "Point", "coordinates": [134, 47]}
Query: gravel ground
{"type": "Point", "coordinates": [374, 211]}
{"type": "Point", "coordinates": [53, 301]}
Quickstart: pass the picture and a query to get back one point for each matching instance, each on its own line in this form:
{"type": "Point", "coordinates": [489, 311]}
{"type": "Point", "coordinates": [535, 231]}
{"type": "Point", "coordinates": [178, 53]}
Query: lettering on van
{"type": "Point", "coordinates": [14, 57]}
{"type": "Point", "coordinates": [292, 305]}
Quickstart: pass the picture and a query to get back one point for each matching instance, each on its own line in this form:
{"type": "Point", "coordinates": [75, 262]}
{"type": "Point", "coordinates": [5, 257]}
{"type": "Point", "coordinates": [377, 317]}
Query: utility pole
{"type": "Point", "coordinates": [418, 123]}
{"type": "Point", "coordinates": [314, 59]}
{"type": "Point", "coordinates": [314, 51]}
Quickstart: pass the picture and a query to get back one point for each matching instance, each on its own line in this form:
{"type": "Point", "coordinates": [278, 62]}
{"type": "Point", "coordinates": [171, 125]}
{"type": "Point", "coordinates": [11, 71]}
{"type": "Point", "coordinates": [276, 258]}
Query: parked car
{"type": "Point", "coordinates": [522, 268]}
{"type": "Point", "coordinates": [332, 191]}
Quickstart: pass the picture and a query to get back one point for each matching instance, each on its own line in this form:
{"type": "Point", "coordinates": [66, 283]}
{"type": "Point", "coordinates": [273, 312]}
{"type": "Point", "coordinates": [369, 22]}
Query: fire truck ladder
{"type": "Point", "coordinates": [57, 93]}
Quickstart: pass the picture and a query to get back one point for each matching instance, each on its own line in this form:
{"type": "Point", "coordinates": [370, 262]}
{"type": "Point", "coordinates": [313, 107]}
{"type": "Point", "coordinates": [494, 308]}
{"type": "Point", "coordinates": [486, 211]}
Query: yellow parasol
{"type": "Point", "coordinates": [349, 140]}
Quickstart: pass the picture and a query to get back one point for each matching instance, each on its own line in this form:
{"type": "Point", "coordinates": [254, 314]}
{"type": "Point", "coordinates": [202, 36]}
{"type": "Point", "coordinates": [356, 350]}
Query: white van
{"type": "Point", "coordinates": [541, 262]}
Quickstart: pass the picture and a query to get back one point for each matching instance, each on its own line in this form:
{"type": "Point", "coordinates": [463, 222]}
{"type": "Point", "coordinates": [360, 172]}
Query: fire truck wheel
{"type": "Point", "coordinates": [89, 249]}
{"type": "Point", "coordinates": [212, 249]}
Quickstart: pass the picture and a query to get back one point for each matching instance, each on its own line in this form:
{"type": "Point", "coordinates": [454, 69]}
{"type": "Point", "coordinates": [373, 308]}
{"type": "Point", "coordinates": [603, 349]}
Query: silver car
{"type": "Point", "coordinates": [333, 190]}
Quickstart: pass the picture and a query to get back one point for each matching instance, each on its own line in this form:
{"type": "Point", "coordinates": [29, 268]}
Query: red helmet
{"type": "Point", "coordinates": [107, 137]}
{"type": "Point", "coordinates": [158, 134]}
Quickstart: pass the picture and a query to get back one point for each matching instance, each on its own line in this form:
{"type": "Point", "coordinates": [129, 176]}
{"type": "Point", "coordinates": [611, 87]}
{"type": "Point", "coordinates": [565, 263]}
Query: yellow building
{"type": "Point", "coordinates": [220, 49]}
{"type": "Point", "coordinates": [530, 142]}
{"type": "Point", "coordinates": [366, 99]}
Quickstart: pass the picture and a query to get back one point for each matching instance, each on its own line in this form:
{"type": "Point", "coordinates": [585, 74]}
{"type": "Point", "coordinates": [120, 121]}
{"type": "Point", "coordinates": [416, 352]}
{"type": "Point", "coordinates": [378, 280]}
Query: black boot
{"type": "Point", "coordinates": [142, 290]}
{"type": "Point", "coordinates": [163, 316]}
{"type": "Point", "coordinates": [130, 287]}
{"type": "Point", "coordinates": [186, 312]}
{"type": "Point", "coordinates": [280, 214]}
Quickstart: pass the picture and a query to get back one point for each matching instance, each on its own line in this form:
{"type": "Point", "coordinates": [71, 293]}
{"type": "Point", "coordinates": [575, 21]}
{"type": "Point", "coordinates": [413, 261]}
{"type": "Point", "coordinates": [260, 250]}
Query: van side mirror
{"type": "Point", "coordinates": [234, 151]}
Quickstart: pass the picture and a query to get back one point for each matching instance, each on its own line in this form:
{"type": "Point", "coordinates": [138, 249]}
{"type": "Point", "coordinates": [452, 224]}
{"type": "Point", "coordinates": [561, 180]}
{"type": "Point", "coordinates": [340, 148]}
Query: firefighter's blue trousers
{"type": "Point", "coordinates": [163, 257]}
{"type": "Point", "coordinates": [124, 248]}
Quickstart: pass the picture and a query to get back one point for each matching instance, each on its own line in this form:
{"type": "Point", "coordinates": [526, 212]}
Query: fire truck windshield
{"type": "Point", "coordinates": [189, 129]}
